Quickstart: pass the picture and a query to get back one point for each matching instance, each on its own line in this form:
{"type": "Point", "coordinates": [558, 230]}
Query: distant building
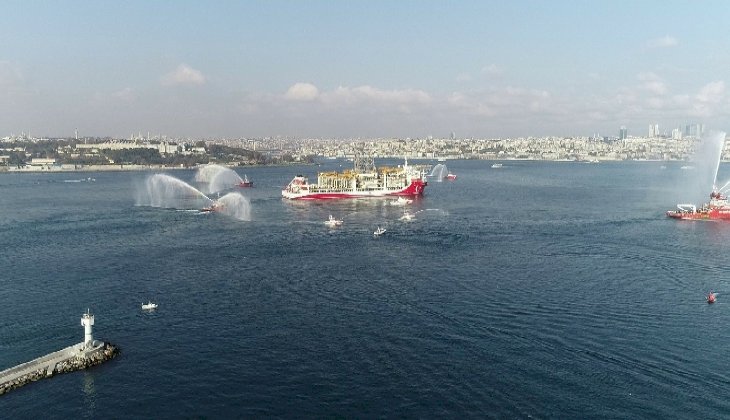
{"type": "Point", "coordinates": [694, 130]}
{"type": "Point", "coordinates": [677, 134]}
{"type": "Point", "coordinates": [653, 131]}
{"type": "Point", "coordinates": [42, 163]}
{"type": "Point", "coordinates": [453, 136]}
{"type": "Point", "coordinates": [623, 133]}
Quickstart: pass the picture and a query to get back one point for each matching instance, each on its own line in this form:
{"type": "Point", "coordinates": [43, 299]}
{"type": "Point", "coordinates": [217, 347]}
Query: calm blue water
{"type": "Point", "coordinates": [548, 290]}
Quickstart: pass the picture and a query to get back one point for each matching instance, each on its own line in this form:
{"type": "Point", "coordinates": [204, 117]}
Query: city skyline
{"type": "Point", "coordinates": [362, 69]}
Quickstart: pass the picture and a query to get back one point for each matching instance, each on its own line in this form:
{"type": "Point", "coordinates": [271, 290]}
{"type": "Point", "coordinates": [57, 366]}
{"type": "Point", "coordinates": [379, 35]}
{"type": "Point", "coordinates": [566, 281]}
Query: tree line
{"type": "Point", "coordinates": [56, 149]}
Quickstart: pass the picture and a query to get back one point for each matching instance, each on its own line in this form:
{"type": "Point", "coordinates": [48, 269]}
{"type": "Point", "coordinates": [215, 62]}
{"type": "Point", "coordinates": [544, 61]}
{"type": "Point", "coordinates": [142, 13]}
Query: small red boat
{"type": "Point", "coordinates": [245, 183]}
{"type": "Point", "coordinates": [451, 177]}
{"type": "Point", "coordinates": [711, 297]}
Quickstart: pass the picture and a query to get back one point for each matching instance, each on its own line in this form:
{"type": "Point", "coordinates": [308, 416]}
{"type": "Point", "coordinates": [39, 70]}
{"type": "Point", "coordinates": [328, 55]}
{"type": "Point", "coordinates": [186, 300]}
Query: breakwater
{"type": "Point", "coordinates": [70, 359]}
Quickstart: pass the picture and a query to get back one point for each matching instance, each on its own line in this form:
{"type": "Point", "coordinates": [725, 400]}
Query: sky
{"type": "Point", "coordinates": [483, 69]}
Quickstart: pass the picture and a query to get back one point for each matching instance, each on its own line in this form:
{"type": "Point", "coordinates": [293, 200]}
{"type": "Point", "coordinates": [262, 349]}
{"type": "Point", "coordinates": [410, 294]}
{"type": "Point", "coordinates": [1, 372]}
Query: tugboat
{"type": "Point", "coordinates": [216, 206]}
{"type": "Point", "coordinates": [711, 297]}
{"type": "Point", "coordinates": [717, 209]}
{"type": "Point", "coordinates": [245, 182]}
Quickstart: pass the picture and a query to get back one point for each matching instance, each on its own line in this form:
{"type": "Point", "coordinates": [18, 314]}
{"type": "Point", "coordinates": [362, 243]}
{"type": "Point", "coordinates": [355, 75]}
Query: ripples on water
{"type": "Point", "coordinates": [543, 290]}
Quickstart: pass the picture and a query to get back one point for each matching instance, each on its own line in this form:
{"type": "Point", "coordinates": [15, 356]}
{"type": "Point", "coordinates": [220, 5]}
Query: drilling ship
{"type": "Point", "coordinates": [365, 180]}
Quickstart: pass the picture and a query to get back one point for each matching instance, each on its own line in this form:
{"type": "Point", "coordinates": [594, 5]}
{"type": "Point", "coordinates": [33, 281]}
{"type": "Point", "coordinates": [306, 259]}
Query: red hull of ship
{"type": "Point", "coordinates": [713, 214]}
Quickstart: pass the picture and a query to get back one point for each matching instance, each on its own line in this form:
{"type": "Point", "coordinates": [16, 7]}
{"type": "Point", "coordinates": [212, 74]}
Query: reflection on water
{"type": "Point", "coordinates": [89, 395]}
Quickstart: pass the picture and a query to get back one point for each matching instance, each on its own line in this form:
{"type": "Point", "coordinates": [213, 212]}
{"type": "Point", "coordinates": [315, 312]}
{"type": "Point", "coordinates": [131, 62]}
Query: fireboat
{"type": "Point", "coordinates": [216, 206]}
{"type": "Point", "coordinates": [717, 209]}
{"type": "Point", "coordinates": [245, 182]}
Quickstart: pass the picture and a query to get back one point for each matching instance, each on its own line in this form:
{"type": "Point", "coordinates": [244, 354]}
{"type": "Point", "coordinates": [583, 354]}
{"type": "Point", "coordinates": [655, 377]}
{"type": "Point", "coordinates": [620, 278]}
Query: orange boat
{"type": "Point", "coordinates": [711, 297]}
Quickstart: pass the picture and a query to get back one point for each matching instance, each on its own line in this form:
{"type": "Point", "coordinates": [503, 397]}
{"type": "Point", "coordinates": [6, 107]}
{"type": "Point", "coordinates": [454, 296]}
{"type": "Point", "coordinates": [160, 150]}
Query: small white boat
{"type": "Point", "coordinates": [407, 216]}
{"type": "Point", "coordinates": [332, 222]}
{"type": "Point", "coordinates": [497, 165]}
{"type": "Point", "coordinates": [149, 305]}
{"type": "Point", "coordinates": [401, 201]}
{"type": "Point", "coordinates": [379, 231]}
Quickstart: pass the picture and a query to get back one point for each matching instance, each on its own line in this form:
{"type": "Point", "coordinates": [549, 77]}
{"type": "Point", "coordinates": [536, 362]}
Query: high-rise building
{"type": "Point", "coordinates": [677, 134]}
{"type": "Point", "coordinates": [653, 131]}
{"type": "Point", "coordinates": [694, 130]}
{"type": "Point", "coordinates": [623, 134]}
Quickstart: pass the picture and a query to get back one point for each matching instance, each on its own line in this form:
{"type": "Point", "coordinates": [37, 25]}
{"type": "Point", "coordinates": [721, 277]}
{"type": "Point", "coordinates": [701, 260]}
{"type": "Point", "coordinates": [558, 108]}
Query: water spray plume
{"type": "Point", "coordinates": [724, 188]}
{"type": "Point", "coordinates": [235, 205]}
{"type": "Point", "coordinates": [165, 191]}
{"type": "Point", "coordinates": [439, 172]}
{"type": "Point", "coordinates": [217, 178]}
{"type": "Point", "coordinates": [707, 155]}
{"type": "Point", "coordinates": [718, 141]}
{"type": "Point", "coordinates": [697, 183]}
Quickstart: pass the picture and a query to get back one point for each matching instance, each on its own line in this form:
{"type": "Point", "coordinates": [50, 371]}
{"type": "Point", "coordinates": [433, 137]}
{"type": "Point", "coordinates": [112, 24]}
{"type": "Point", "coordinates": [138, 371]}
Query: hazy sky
{"type": "Point", "coordinates": [361, 69]}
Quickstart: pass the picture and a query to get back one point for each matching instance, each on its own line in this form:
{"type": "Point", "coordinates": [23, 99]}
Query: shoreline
{"type": "Point", "coordinates": [153, 168]}
{"type": "Point", "coordinates": [87, 168]}
{"type": "Point", "coordinates": [116, 168]}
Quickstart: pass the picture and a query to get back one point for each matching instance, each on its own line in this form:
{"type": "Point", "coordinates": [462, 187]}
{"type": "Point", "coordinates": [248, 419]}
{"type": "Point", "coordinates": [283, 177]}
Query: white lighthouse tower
{"type": "Point", "coordinates": [87, 320]}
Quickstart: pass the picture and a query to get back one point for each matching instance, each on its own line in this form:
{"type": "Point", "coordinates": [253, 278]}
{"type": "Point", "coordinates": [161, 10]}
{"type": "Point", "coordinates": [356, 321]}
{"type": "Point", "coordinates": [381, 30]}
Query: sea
{"type": "Point", "coordinates": [534, 290]}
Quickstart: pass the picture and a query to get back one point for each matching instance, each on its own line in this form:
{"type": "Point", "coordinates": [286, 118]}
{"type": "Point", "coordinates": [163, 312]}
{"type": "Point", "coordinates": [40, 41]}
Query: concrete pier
{"type": "Point", "coordinates": [79, 356]}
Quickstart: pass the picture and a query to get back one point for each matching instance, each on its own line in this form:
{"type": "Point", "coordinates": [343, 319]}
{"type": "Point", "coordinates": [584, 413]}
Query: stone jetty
{"type": "Point", "coordinates": [79, 356]}
{"type": "Point", "coordinates": [39, 369]}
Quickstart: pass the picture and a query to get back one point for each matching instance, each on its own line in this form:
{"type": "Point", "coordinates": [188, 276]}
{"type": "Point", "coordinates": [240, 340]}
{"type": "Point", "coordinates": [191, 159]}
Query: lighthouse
{"type": "Point", "coordinates": [87, 320]}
